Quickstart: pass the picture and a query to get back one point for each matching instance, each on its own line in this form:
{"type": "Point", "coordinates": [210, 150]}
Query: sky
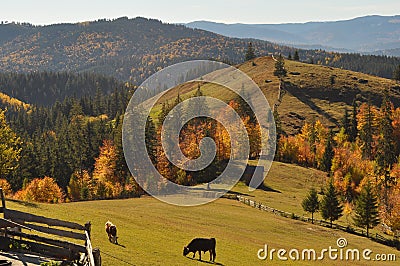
{"type": "Point", "coordinates": [44, 12]}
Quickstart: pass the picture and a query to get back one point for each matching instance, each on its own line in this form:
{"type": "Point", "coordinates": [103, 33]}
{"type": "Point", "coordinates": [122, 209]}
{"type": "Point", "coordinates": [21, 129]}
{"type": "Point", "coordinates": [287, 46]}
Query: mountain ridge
{"type": "Point", "coordinates": [348, 34]}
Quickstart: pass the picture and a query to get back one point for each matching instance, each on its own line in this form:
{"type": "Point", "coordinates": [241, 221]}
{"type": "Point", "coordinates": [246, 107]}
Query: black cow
{"type": "Point", "coordinates": [201, 244]}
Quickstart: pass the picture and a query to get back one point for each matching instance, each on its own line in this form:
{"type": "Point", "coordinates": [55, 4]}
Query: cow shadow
{"type": "Point", "coordinates": [205, 261]}
{"type": "Point", "coordinates": [120, 245]}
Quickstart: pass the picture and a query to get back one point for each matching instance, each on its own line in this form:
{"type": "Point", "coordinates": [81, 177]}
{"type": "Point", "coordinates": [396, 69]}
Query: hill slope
{"type": "Point", "coordinates": [307, 95]}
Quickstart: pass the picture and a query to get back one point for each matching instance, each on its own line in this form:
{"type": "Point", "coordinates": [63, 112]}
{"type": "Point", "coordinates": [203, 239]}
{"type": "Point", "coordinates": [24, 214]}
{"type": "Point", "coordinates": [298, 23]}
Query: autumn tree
{"type": "Point", "coordinates": [280, 70]}
{"type": "Point", "coordinates": [250, 54]}
{"type": "Point", "coordinates": [330, 206]}
{"type": "Point", "coordinates": [41, 190]}
{"type": "Point", "coordinates": [81, 186]}
{"type": "Point", "coordinates": [9, 147]}
{"type": "Point", "coordinates": [108, 183]}
{"type": "Point", "coordinates": [311, 203]}
{"type": "Point", "coordinates": [5, 186]}
{"type": "Point", "coordinates": [367, 208]}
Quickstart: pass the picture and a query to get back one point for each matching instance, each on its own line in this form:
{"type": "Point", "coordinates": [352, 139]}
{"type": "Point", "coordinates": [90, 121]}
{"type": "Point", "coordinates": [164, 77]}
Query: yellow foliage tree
{"type": "Point", "coordinates": [108, 183]}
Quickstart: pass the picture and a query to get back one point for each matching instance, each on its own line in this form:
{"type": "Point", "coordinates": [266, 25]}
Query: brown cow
{"type": "Point", "coordinates": [111, 231]}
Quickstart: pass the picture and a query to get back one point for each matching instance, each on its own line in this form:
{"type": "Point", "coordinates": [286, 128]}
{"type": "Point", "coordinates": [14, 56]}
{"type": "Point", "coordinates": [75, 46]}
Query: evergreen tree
{"type": "Point", "coordinates": [367, 133]}
{"type": "Point", "coordinates": [353, 132]}
{"type": "Point", "coordinates": [330, 206]}
{"type": "Point", "coordinates": [396, 74]}
{"type": "Point", "coordinates": [296, 56]}
{"type": "Point", "coordinates": [250, 54]}
{"type": "Point", "coordinates": [151, 140]}
{"type": "Point", "coordinates": [311, 203]}
{"type": "Point", "coordinates": [328, 153]}
{"type": "Point", "coordinates": [289, 56]}
{"type": "Point", "coordinates": [366, 210]}
{"type": "Point", "coordinates": [386, 151]}
{"type": "Point", "coordinates": [345, 123]}
{"type": "Point", "coordinates": [280, 70]}
{"type": "Point", "coordinates": [332, 80]}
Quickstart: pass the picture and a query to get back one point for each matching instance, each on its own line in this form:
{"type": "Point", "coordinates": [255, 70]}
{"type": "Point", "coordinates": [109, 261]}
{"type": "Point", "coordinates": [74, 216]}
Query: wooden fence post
{"type": "Point", "coordinates": [88, 228]}
{"type": "Point", "coordinates": [3, 200]}
{"type": "Point", "coordinates": [97, 257]}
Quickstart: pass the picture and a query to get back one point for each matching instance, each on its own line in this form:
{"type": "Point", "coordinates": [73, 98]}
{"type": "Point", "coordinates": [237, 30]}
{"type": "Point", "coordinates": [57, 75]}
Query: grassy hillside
{"type": "Point", "coordinates": [154, 233]}
{"type": "Point", "coordinates": [309, 93]}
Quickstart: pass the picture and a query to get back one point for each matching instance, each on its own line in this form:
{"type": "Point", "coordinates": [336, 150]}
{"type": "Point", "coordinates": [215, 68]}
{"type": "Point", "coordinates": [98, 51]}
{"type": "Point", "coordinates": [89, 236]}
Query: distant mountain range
{"type": "Point", "coordinates": [128, 49]}
{"type": "Point", "coordinates": [370, 34]}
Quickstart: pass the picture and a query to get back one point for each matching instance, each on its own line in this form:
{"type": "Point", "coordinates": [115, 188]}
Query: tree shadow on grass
{"type": "Point", "coordinates": [268, 189]}
{"type": "Point", "coordinates": [24, 203]}
{"type": "Point", "coordinates": [206, 262]}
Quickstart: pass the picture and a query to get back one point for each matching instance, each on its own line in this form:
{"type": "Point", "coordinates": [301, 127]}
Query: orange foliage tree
{"type": "Point", "coordinates": [41, 190]}
{"type": "Point", "coordinates": [5, 186]}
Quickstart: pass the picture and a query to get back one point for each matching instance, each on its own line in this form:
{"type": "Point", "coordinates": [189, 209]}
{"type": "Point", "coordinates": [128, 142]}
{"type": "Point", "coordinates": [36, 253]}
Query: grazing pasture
{"type": "Point", "coordinates": [153, 233]}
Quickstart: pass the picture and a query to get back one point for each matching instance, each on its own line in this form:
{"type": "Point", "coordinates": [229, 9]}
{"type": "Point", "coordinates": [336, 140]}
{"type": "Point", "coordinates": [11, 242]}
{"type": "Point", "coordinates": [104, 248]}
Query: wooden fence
{"type": "Point", "coordinates": [14, 227]}
{"type": "Point", "coordinates": [356, 231]}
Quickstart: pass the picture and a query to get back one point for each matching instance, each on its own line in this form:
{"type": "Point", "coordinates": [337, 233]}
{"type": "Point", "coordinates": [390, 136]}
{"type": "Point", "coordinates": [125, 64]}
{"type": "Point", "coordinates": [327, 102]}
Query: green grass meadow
{"type": "Point", "coordinates": [154, 233]}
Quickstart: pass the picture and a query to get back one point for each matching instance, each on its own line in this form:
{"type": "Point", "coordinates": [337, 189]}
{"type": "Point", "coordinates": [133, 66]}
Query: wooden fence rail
{"type": "Point", "coordinates": [15, 221]}
{"type": "Point", "coordinates": [376, 237]}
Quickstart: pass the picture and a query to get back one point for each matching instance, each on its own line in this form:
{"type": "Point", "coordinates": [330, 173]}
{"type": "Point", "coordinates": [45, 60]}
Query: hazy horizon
{"type": "Point", "coordinates": [46, 12]}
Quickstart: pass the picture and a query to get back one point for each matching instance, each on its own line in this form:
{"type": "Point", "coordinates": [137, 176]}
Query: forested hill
{"type": "Point", "coordinates": [133, 49]}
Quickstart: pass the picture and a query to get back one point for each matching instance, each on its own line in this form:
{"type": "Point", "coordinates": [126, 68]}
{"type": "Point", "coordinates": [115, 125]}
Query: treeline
{"type": "Point", "coordinates": [45, 88]}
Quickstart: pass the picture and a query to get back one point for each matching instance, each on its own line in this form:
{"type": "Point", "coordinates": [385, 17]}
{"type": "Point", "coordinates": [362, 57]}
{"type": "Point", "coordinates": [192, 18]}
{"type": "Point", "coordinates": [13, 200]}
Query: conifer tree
{"type": "Point", "coordinates": [328, 154]}
{"type": "Point", "coordinates": [386, 152]}
{"type": "Point", "coordinates": [345, 123]}
{"type": "Point", "coordinates": [311, 203]}
{"type": "Point", "coordinates": [250, 54]}
{"type": "Point", "coordinates": [296, 56]}
{"type": "Point", "coordinates": [366, 210]}
{"type": "Point", "coordinates": [280, 70]}
{"type": "Point", "coordinates": [367, 133]}
{"type": "Point", "coordinates": [353, 126]}
{"type": "Point", "coordinates": [396, 74]}
{"type": "Point", "coordinates": [330, 207]}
